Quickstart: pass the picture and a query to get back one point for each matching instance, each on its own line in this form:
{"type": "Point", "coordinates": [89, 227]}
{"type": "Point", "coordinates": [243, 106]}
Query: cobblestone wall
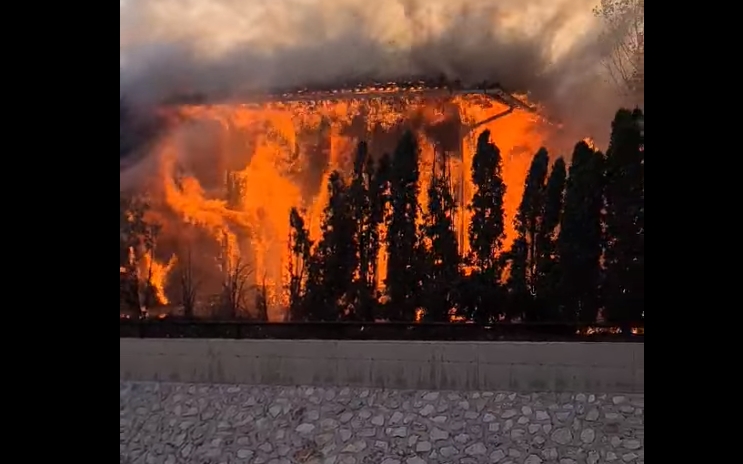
{"type": "Point", "coordinates": [172, 423]}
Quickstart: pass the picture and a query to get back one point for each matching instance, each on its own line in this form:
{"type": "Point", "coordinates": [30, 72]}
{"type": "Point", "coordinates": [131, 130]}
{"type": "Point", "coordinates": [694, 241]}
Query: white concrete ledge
{"type": "Point", "coordinates": [514, 366]}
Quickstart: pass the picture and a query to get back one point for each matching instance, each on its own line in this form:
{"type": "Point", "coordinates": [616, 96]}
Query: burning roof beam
{"type": "Point", "coordinates": [391, 90]}
{"type": "Point", "coordinates": [375, 91]}
{"type": "Point", "coordinates": [395, 91]}
{"type": "Point", "coordinates": [472, 127]}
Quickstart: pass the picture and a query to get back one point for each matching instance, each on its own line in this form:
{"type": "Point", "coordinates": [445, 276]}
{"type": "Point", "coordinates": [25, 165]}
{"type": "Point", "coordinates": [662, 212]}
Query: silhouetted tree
{"type": "Point", "coordinates": [334, 262]}
{"type": "Point", "coordinates": [519, 297]}
{"type": "Point", "coordinates": [261, 301]}
{"type": "Point", "coordinates": [486, 230]}
{"type": "Point", "coordinates": [580, 238]}
{"type": "Point", "coordinates": [300, 247]}
{"type": "Point", "coordinates": [379, 194]}
{"type": "Point", "coordinates": [136, 239]}
{"type": "Point", "coordinates": [361, 213]}
{"type": "Point", "coordinates": [528, 222]}
{"type": "Point", "coordinates": [624, 287]}
{"type": "Point", "coordinates": [547, 271]}
{"type": "Point", "coordinates": [443, 257]}
{"type": "Point", "coordinates": [234, 287]}
{"type": "Point", "coordinates": [189, 285]}
{"type": "Point", "coordinates": [403, 269]}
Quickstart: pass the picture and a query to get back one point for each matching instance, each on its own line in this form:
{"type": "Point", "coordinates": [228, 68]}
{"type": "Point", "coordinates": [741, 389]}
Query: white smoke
{"type": "Point", "coordinates": [223, 48]}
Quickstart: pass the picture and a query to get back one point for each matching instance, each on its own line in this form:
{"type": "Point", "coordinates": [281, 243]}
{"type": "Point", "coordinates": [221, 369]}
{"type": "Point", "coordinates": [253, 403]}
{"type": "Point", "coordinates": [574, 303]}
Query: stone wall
{"type": "Point", "coordinates": [413, 365]}
{"type": "Point", "coordinates": [169, 423]}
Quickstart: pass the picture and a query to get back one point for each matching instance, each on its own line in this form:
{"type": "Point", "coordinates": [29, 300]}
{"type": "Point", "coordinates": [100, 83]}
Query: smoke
{"type": "Point", "coordinates": [226, 48]}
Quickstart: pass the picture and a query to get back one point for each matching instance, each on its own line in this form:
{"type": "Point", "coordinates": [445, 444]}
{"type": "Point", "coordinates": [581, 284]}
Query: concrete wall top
{"type": "Point", "coordinates": [515, 366]}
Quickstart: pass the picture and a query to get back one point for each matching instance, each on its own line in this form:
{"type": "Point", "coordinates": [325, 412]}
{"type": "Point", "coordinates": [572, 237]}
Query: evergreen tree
{"type": "Point", "coordinates": [547, 271]}
{"type": "Point", "coordinates": [580, 239]}
{"type": "Point", "coordinates": [379, 194]}
{"type": "Point", "coordinates": [486, 230]}
{"type": "Point", "coordinates": [403, 269]}
{"type": "Point", "coordinates": [361, 212]}
{"type": "Point", "coordinates": [518, 288]}
{"type": "Point", "coordinates": [300, 247]}
{"type": "Point", "coordinates": [624, 286]}
{"type": "Point", "coordinates": [334, 262]}
{"type": "Point", "coordinates": [528, 222]}
{"type": "Point", "coordinates": [443, 257]}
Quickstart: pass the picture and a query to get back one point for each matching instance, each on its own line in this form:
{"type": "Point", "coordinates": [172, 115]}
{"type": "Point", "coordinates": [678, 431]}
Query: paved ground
{"type": "Point", "coordinates": [179, 423]}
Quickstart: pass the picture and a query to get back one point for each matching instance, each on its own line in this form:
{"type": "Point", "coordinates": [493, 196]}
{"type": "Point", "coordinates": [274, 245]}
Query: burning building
{"type": "Point", "coordinates": [224, 176]}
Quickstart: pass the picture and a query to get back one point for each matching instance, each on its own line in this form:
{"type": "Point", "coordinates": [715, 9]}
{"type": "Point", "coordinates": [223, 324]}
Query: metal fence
{"type": "Point", "coordinates": [185, 328]}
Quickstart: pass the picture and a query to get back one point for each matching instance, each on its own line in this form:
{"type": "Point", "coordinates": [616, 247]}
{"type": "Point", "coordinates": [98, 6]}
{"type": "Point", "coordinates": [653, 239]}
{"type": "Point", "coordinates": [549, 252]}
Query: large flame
{"type": "Point", "coordinates": [155, 273]}
{"type": "Point", "coordinates": [281, 154]}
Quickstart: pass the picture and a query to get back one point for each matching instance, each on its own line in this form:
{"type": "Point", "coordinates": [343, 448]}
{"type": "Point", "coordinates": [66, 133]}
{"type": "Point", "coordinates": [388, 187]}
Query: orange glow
{"type": "Point", "coordinates": [609, 330]}
{"type": "Point", "coordinates": [590, 142]}
{"type": "Point", "coordinates": [156, 273]}
{"type": "Point", "coordinates": [281, 154]}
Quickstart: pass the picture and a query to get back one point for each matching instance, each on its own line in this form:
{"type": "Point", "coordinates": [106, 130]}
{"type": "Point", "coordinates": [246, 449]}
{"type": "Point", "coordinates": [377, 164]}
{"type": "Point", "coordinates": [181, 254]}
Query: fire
{"type": "Point", "coordinates": [590, 142]}
{"type": "Point", "coordinates": [234, 171]}
{"type": "Point", "coordinates": [156, 273]}
{"type": "Point", "coordinates": [609, 330]}
{"type": "Point", "coordinates": [453, 316]}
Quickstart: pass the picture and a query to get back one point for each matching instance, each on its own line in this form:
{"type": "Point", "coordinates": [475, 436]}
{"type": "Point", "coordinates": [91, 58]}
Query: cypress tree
{"type": "Point", "coordinates": [580, 239]}
{"type": "Point", "coordinates": [403, 271]}
{"type": "Point", "coordinates": [528, 223]}
{"type": "Point", "coordinates": [486, 230]}
{"type": "Point", "coordinates": [443, 257]}
{"type": "Point", "coordinates": [624, 286]}
{"type": "Point", "coordinates": [547, 271]}
{"type": "Point", "coordinates": [334, 262]}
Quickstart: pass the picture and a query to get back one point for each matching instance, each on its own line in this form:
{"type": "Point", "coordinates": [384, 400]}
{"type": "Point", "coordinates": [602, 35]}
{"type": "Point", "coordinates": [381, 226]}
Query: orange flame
{"type": "Point", "coordinates": [157, 273]}
{"type": "Point", "coordinates": [268, 149]}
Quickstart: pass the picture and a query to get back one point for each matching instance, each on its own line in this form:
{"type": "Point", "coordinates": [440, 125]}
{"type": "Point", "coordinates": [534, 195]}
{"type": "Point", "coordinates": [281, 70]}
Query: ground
{"type": "Point", "coordinates": [168, 423]}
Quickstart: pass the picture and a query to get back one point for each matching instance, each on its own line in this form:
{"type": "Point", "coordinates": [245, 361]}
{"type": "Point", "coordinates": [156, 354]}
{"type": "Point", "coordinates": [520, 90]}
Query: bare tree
{"type": "Point", "coordinates": [189, 285]}
{"type": "Point", "coordinates": [625, 35]}
{"type": "Point", "coordinates": [233, 288]}
{"type": "Point", "coordinates": [137, 239]}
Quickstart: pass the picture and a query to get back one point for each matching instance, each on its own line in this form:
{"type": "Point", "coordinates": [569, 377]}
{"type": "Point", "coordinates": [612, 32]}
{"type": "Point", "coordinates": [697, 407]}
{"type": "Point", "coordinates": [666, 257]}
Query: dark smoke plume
{"type": "Point", "coordinates": [225, 49]}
